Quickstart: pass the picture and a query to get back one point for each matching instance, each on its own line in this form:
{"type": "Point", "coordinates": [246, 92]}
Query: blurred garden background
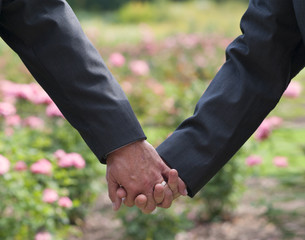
{"type": "Point", "coordinates": [164, 54]}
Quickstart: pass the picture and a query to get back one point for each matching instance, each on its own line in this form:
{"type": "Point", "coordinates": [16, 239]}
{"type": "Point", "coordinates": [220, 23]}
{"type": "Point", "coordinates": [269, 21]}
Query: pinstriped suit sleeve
{"type": "Point", "coordinates": [48, 38]}
{"type": "Point", "coordinates": [259, 65]}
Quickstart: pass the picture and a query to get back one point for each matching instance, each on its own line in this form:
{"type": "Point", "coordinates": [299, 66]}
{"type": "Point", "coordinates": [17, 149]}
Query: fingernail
{"type": "Point", "coordinates": [185, 192]}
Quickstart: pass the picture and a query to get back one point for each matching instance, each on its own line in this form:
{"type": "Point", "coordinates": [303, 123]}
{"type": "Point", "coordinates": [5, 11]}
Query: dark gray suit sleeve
{"type": "Point", "coordinates": [259, 66]}
{"type": "Point", "coordinates": [48, 38]}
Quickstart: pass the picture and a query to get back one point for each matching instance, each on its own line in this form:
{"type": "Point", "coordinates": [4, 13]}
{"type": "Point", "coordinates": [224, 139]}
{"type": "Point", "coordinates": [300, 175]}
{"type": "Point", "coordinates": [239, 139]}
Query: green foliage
{"type": "Point", "coordinates": [162, 224]}
{"type": "Point", "coordinates": [106, 5]}
{"type": "Point", "coordinates": [97, 4]}
{"type": "Point", "coordinates": [22, 208]}
{"type": "Point", "coordinates": [138, 12]}
{"type": "Point", "coordinates": [221, 194]}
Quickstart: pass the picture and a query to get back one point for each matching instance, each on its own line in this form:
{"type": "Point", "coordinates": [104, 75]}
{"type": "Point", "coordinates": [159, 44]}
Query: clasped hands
{"type": "Point", "coordinates": [135, 174]}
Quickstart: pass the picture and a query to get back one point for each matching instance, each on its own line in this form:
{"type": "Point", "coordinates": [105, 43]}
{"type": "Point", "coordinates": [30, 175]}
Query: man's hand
{"type": "Point", "coordinates": [163, 194]}
{"type": "Point", "coordinates": [137, 168]}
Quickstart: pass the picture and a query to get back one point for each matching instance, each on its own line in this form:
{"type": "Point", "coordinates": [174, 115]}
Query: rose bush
{"type": "Point", "coordinates": [44, 190]}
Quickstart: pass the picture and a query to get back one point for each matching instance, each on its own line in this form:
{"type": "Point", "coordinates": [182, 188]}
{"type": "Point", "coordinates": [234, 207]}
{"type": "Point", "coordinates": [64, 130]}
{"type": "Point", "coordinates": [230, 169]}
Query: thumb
{"type": "Point", "coordinates": [121, 193]}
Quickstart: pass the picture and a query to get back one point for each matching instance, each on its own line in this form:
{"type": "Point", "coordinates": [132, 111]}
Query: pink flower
{"type": "Point", "coordinates": [53, 111]}
{"type": "Point", "coordinates": [70, 160]}
{"type": "Point", "coordinates": [20, 166]}
{"type": "Point", "coordinates": [139, 67]}
{"type": "Point", "coordinates": [65, 161]}
{"type": "Point", "coordinates": [33, 122]}
{"type": "Point", "coordinates": [43, 166]}
{"type": "Point", "coordinates": [280, 161]}
{"type": "Point", "coordinates": [13, 120]}
{"type": "Point", "coordinates": [77, 160]}
{"type": "Point", "coordinates": [263, 131]}
{"type": "Point", "coordinates": [157, 88]}
{"type": "Point", "coordinates": [253, 160]}
{"type": "Point", "coordinates": [293, 90]}
{"type": "Point", "coordinates": [59, 153]}
{"type": "Point", "coordinates": [49, 195]}
{"type": "Point", "coordinates": [37, 95]}
{"type": "Point", "coordinates": [117, 59]}
{"type": "Point", "coordinates": [4, 165]}
{"type": "Point", "coordinates": [127, 87]}
{"type": "Point", "coordinates": [7, 109]}
{"type": "Point", "coordinates": [275, 121]}
{"type": "Point", "coordinates": [65, 202]}
{"type": "Point", "coordinates": [170, 42]}
{"type": "Point", "coordinates": [10, 89]}
{"type": "Point", "coordinates": [189, 41]}
{"type": "Point", "coordinates": [43, 236]}
{"type": "Point", "coordinates": [31, 92]}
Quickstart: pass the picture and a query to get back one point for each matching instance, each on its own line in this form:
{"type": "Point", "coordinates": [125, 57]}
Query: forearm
{"type": "Point", "coordinates": [259, 66]}
{"type": "Point", "coordinates": [48, 38]}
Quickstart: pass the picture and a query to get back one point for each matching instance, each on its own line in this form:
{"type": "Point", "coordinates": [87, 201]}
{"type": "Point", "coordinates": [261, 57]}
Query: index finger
{"type": "Point", "coordinates": [112, 193]}
{"type": "Point", "coordinates": [159, 193]}
{"type": "Point", "coordinates": [173, 182]}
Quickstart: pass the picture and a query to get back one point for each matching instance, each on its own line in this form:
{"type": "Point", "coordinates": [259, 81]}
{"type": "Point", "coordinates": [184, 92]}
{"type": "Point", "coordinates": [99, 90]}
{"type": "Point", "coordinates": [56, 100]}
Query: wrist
{"type": "Point", "coordinates": [123, 148]}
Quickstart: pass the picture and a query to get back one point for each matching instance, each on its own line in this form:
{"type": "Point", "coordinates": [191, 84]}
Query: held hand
{"type": "Point", "coordinates": [163, 194]}
{"type": "Point", "coordinates": [137, 168]}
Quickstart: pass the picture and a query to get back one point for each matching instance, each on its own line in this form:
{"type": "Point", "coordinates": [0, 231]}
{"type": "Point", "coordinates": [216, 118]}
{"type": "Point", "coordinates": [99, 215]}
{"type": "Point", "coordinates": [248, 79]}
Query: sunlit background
{"type": "Point", "coordinates": [164, 54]}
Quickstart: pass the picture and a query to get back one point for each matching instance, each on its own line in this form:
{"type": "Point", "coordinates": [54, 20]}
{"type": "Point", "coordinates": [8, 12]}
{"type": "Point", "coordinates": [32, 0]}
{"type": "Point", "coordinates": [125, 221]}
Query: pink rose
{"type": "Point", "coordinates": [188, 41]}
{"type": "Point", "coordinates": [43, 166]}
{"type": "Point", "coordinates": [117, 59]}
{"type": "Point", "coordinates": [53, 111]}
{"type": "Point", "coordinates": [127, 87]}
{"type": "Point", "coordinates": [31, 92]}
{"type": "Point", "coordinates": [275, 121]}
{"type": "Point", "coordinates": [4, 165]}
{"type": "Point", "coordinates": [7, 109]}
{"type": "Point", "coordinates": [280, 162]}
{"type": "Point", "coordinates": [263, 131]}
{"type": "Point", "coordinates": [37, 95]}
{"type": "Point", "coordinates": [71, 159]}
{"type": "Point", "coordinates": [49, 195]}
{"type": "Point", "coordinates": [253, 160]}
{"type": "Point", "coordinates": [65, 202]}
{"type": "Point", "coordinates": [43, 236]}
{"type": "Point", "coordinates": [59, 153]}
{"type": "Point", "coordinates": [65, 161]}
{"type": "Point", "coordinates": [77, 160]}
{"type": "Point", "coordinates": [139, 67]}
{"type": "Point", "coordinates": [13, 120]}
{"type": "Point", "coordinates": [157, 88]}
{"type": "Point", "coordinates": [293, 90]}
{"type": "Point", "coordinates": [9, 89]}
{"type": "Point", "coordinates": [33, 122]}
{"type": "Point", "coordinates": [20, 166]}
